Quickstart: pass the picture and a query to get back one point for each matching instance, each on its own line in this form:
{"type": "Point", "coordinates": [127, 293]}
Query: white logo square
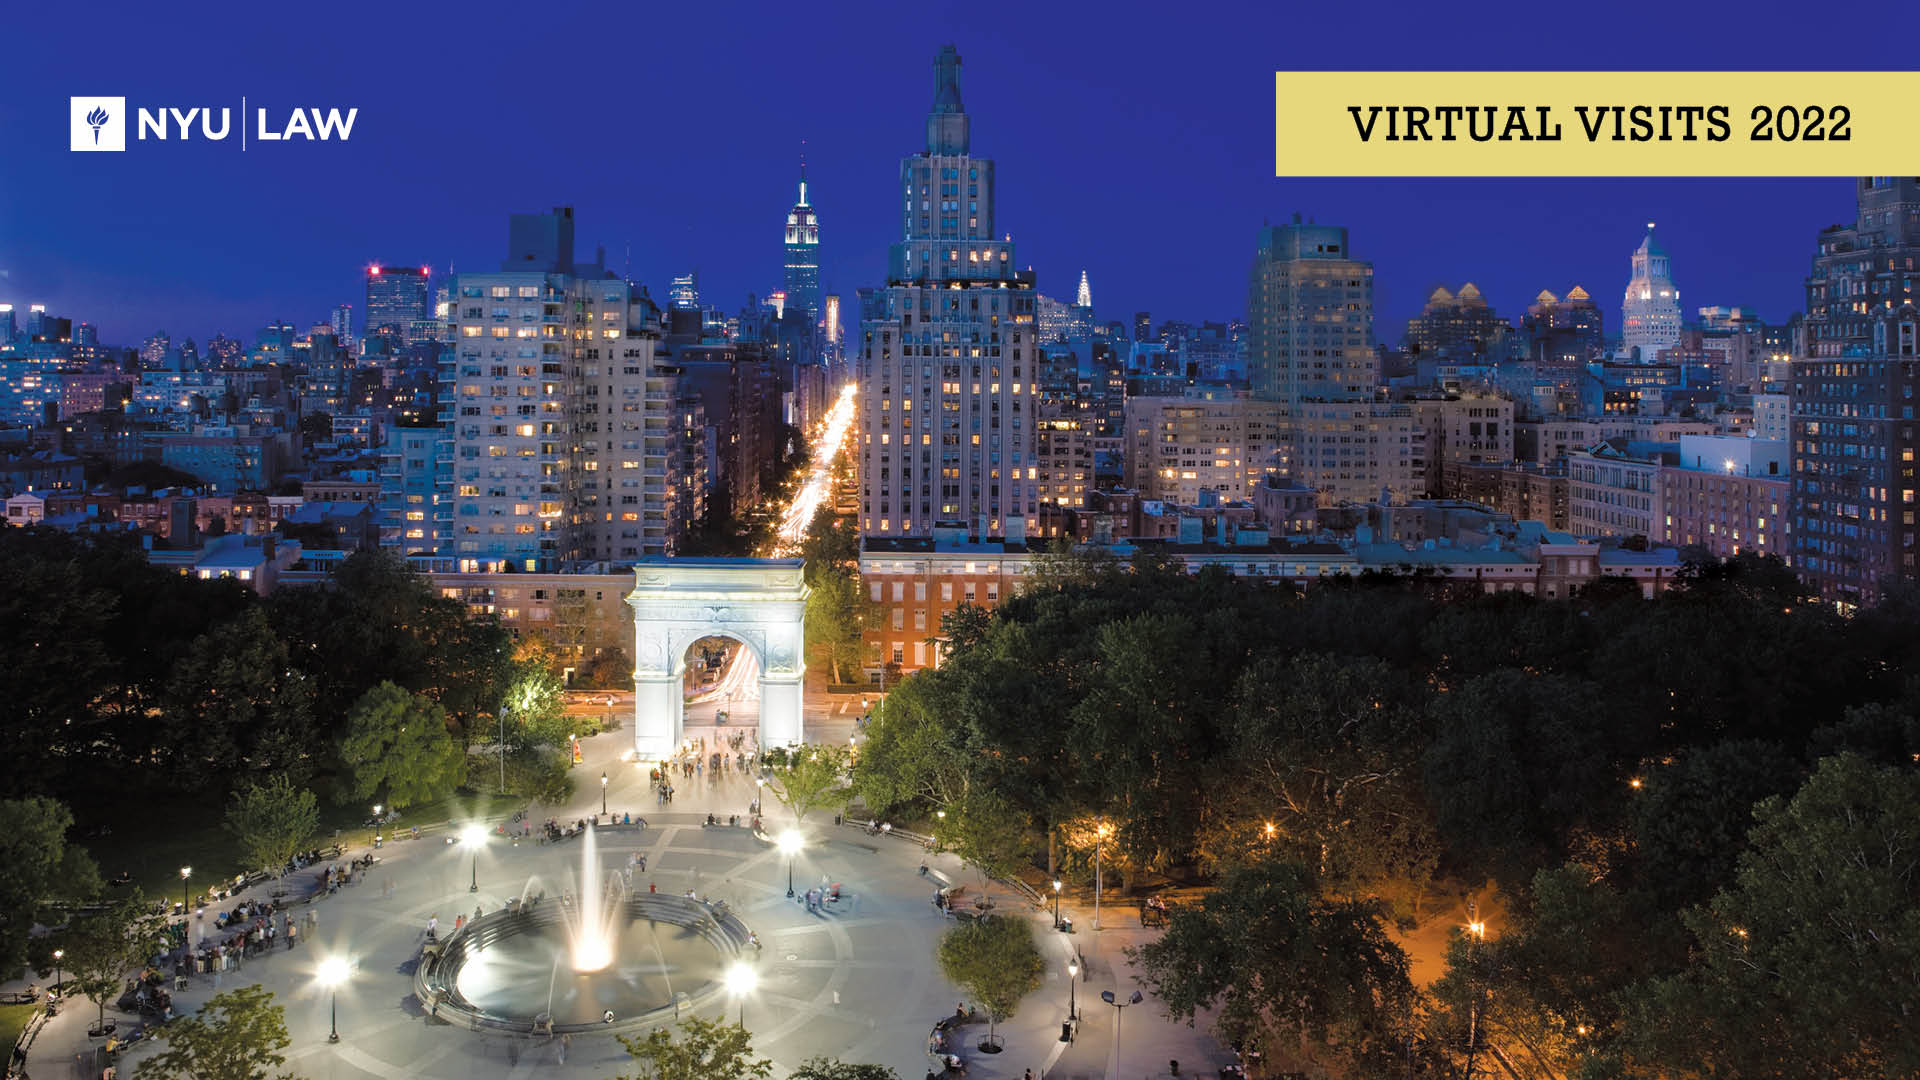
{"type": "Point", "coordinates": [97, 123]}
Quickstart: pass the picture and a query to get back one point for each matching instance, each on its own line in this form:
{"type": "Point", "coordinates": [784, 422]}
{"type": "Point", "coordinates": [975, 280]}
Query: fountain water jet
{"type": "Point", "coordinates": [592, 930]}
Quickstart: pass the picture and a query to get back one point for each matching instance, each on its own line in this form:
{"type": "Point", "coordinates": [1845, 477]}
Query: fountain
{"type": "Point", "coordinates": [546, 965]}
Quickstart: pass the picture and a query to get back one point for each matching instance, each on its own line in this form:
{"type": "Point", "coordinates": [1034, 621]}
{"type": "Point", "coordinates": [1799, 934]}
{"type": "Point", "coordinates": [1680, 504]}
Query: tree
{"type": "Point", "coordinates": [397, 744]}
{"type": "Point", "coordinates": [536, 705]}
{"type": "Point", "coordinates": [103, 945]}
{"type": "Point", "coordinates": [993, 959]}
{"type": "Point", "coordinates": [1325, 772]}
{"type": "Point", "coordinates": [1280, 959]}
{"type": "Point", "coordinates": [988, 832]}
{"type": "Point", "coordinates": [273, 822]}
{"type": "Point", "coordinates": [704, 1050]}
{"type": "Point", "coordinates": [811, 774]}
{"type": "Point", "coordinates": [37, 867]}
{"type": "Point", "coordinates": [913, 751]}
{"type": "Point", "coordinates": [1809, 963]}
{"type": "Point", "coordinates": [237, 1035]}
{"type": "Point", "coordinates": [236, 703]}
{"type": "Point", "coordinates": [823, 1069]}
{"type": "Point", "coordinates": [835, 616]}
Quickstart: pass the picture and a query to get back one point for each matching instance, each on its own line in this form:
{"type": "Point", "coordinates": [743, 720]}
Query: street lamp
{"type": "Point", "coordinates": [1073, 976]}
{"type": "Point", "coordinates": [185, 873]}
{"type": "Point", "coordinates": [789, 844]}
{"type": "Point", "coordinates": [603, 794]}
{"type": "Point", "coordinates": [1056, 903]}
{"type": "Point", "coordinates": [334, 971]}
{"type": "Point", "coordinates": [1119, 1007]}
{"type": "Point", "coordinates": [1099, 835]}
{"type": "Point", "coordinates": [57, 955]}
{"type": "Point", "coordinates": [740, 982]}
{"type": "Point", "coordinates": [474, 837]}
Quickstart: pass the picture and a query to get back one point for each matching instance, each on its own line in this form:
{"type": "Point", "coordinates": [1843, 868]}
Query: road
{"type": "Point", "coordinates": [830, 441]}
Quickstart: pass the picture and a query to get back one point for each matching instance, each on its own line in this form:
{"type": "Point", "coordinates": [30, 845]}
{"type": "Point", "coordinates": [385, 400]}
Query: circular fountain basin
{"type": "Point", "coordinates": [515, 971]}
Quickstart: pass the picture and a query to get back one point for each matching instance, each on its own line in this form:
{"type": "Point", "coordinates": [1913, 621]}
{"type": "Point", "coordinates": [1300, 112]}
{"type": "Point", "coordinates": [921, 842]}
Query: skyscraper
{"type": "Point", "coordinates": [1851, 405]}
{"type": "Point", "coordinates": [803, 255]}
{"type": "Point", "coordinates": [1083, 298]}
{"type": "Point", "coordinates": [397, 297]}
{"type": "Point", "coordinates": [342, 321]}
{"type": "Point", "coordinates": [1310, 349]}
{"type": "Point", "coordinates": [948, 354]}
{"type": "Point", "coordinates": [1650, 314]}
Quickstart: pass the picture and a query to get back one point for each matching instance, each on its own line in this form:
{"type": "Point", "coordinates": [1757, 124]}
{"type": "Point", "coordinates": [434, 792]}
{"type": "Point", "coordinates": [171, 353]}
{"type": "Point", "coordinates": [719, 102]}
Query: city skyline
{"type": "Point", "coordinates": [123, 240]}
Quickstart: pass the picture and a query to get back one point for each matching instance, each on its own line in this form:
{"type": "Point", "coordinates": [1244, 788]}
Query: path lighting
{"type": "Point", "coordinates": [334, 970]}
{"type": "Point", "coordinates": [185, 873]}
{"type": "Point", "coordinates": [1056, 903]}
{"type": "Point", "coordinates": [473, 838]}
{"type": "Point", "coordinates": [1073, 976]}
{"type": "Point", "coordinates": [1119, 1007]}
{"type": "Point", "coordinates": [58, 954]}
{"type": "Point", "coordinates": [790, 843]}
{"type": "Point", "coordinates": [740, 982]}
{"type": "Point", "coordinates": [603, 794]}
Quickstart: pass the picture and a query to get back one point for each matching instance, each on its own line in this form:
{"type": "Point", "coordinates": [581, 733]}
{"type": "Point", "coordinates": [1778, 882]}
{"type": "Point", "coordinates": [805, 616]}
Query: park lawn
{"type": "Point", "coordinates": [154, 844]}
{"type": "Point", "coordinates": [13, 1020]}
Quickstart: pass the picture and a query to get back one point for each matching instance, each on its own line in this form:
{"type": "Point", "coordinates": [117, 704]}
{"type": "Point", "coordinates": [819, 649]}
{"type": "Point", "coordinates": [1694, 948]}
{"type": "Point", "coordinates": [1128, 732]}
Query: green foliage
{"type": "Point", "coordinates": [273, 822]}
{"type": "Point", "coordinates": [823, 1069]}
{"type": "Point", "coordinates": [703, 1050]}
{"type": "Point", "coordinates": [911, 753]}
{"type": "Point", "coordinates": [104, 944]}
{"type": "Point", "coordinates": [236, 704]}
{"type": "Point", "coordinates": [988, 832]}
{"type": "Point", "coordinates": [995, 961]}
{"type": "Point", "coordinates": [1812, 955]}
{"type": "Point", "coordinates": [1279, 959]}
{"type": "Point", "coordinates": [37, 868]}
{"type": "Point", "coordinates": [536, 706]}
{"type": "Point", "coordinates": [397, 745]}
{"type": "Point", "coordinates": [236, 1035]}
{"type": "Point", "coordinates": [809, 776]}
{"type": "Point", "coordinates": [836, 607]}
{"type": "Point", "coordinates": [540, 773]}
{"type": "Point", "coordinates": [610, 669]}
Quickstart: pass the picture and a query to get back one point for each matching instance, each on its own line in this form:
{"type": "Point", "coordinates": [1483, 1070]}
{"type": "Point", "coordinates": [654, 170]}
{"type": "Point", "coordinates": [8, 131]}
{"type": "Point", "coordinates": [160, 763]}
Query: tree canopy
{"type": "Point", "coordinates": [236, 1035]}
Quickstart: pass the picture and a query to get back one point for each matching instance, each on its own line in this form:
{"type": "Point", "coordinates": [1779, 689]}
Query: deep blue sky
{"type": "Point", "coordinates": [1133, 140]}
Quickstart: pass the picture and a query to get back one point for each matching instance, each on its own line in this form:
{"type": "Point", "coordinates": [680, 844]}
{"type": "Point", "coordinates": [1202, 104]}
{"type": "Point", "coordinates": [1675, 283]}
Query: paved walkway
{"type": "Point", "coordinates": [858, 983]}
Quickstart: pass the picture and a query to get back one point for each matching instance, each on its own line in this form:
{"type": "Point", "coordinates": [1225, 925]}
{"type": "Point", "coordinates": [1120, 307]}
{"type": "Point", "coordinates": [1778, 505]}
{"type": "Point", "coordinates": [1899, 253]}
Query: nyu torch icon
{"type": "Point", "coordinates": [97, 123]}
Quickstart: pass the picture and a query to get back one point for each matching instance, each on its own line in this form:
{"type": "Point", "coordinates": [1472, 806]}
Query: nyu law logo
{"type": "Point", "coordinates": [100, 123]}
{"type": "Point", "coordinates": [97, 123]}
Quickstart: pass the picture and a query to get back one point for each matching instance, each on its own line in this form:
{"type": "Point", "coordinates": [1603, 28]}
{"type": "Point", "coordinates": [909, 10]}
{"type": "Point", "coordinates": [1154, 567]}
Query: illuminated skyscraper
{"type": "Point", "coordinates": [948, 356]}
{"type": "Point", "coordinates": [397, 297]}
{"type": "Point", "coordinates": [803, 255]}
{"type": "Point", "coordinates": [1650, 314]}
{"type": "Point", "coordinates": [1083, 298]}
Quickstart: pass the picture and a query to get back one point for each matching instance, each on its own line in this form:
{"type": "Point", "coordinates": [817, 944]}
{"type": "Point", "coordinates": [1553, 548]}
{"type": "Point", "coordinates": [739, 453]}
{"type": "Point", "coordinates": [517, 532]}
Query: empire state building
{"type": "Point", "coordinates": [947, 352]}
{"type": "Point", "coordinates": [803, 254]}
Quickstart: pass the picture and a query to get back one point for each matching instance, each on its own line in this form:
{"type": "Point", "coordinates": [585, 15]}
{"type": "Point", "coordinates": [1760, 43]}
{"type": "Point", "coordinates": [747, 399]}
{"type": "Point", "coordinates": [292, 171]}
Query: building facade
{"type": "Point", "coordinates": [1650, 313]}
{"type": "Point", "coordinates": [948, 351]}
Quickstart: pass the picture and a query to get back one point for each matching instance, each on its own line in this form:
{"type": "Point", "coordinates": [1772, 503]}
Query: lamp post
{"type": "Point", "coordinates": [503, 751]}
{"type": "Point", "coordinates": [1073, 976]}
{"type": "Point", "coordinates": [603, 794]}
{"type": "Point", "coordinates": [790, 846]}
{"type": "Point", "coordinates": [57, 955]}
{"type": "Point", "coordinates": [740, 982]}
{"type": "Point", "coordinates": [1477, 930]}
{"type": "Point", "coordinates": [1099, 835]}
{"type": "Point", "coordinates": [1056, 903]}
{"type": "Point", "coordinates": [1119, 1007]}
{"type": "Point", "coordinates": [185, 873]}
{"type": "Point", "coordinates": [334, 971]}
{"type": "Point", "coordinates": [474, 837]}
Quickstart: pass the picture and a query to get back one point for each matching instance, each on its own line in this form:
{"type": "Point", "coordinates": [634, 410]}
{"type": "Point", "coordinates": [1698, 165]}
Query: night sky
{"type": "Point", "coordinates": [1134, 141]}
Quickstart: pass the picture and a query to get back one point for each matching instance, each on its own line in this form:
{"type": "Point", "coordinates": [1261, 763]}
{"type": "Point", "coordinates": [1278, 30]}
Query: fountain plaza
{"type": "Point", "coordinates": [564, 939]}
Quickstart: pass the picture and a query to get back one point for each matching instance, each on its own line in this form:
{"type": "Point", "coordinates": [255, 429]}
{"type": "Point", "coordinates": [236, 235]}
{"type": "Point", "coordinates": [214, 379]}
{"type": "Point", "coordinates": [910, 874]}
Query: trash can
{"type": "Point", "coordinates": [1066, 1031]}
{"type": "Point", "coordinates": [1066, 925]}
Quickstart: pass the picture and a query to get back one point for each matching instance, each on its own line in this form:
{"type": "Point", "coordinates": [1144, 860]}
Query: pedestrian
{"type": "Point", "coordinates": [565, 1041]}
{"type": "Point", "coordinates": [293, 935]}
{"type": "Point", "coordinates": [651, 888]}
{"type": "Point", "coordinates": [433, 927]}
{"type": "Point", "coordinates": [476, 913]}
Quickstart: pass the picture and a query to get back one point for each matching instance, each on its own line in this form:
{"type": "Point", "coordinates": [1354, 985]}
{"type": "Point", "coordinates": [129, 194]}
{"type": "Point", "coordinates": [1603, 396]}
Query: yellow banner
{"type": "Point", "coordinates": [1596, 123]}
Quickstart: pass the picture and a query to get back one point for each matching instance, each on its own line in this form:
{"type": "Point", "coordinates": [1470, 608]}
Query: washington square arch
{"type": "Point", "coordinates": [760, 603]}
